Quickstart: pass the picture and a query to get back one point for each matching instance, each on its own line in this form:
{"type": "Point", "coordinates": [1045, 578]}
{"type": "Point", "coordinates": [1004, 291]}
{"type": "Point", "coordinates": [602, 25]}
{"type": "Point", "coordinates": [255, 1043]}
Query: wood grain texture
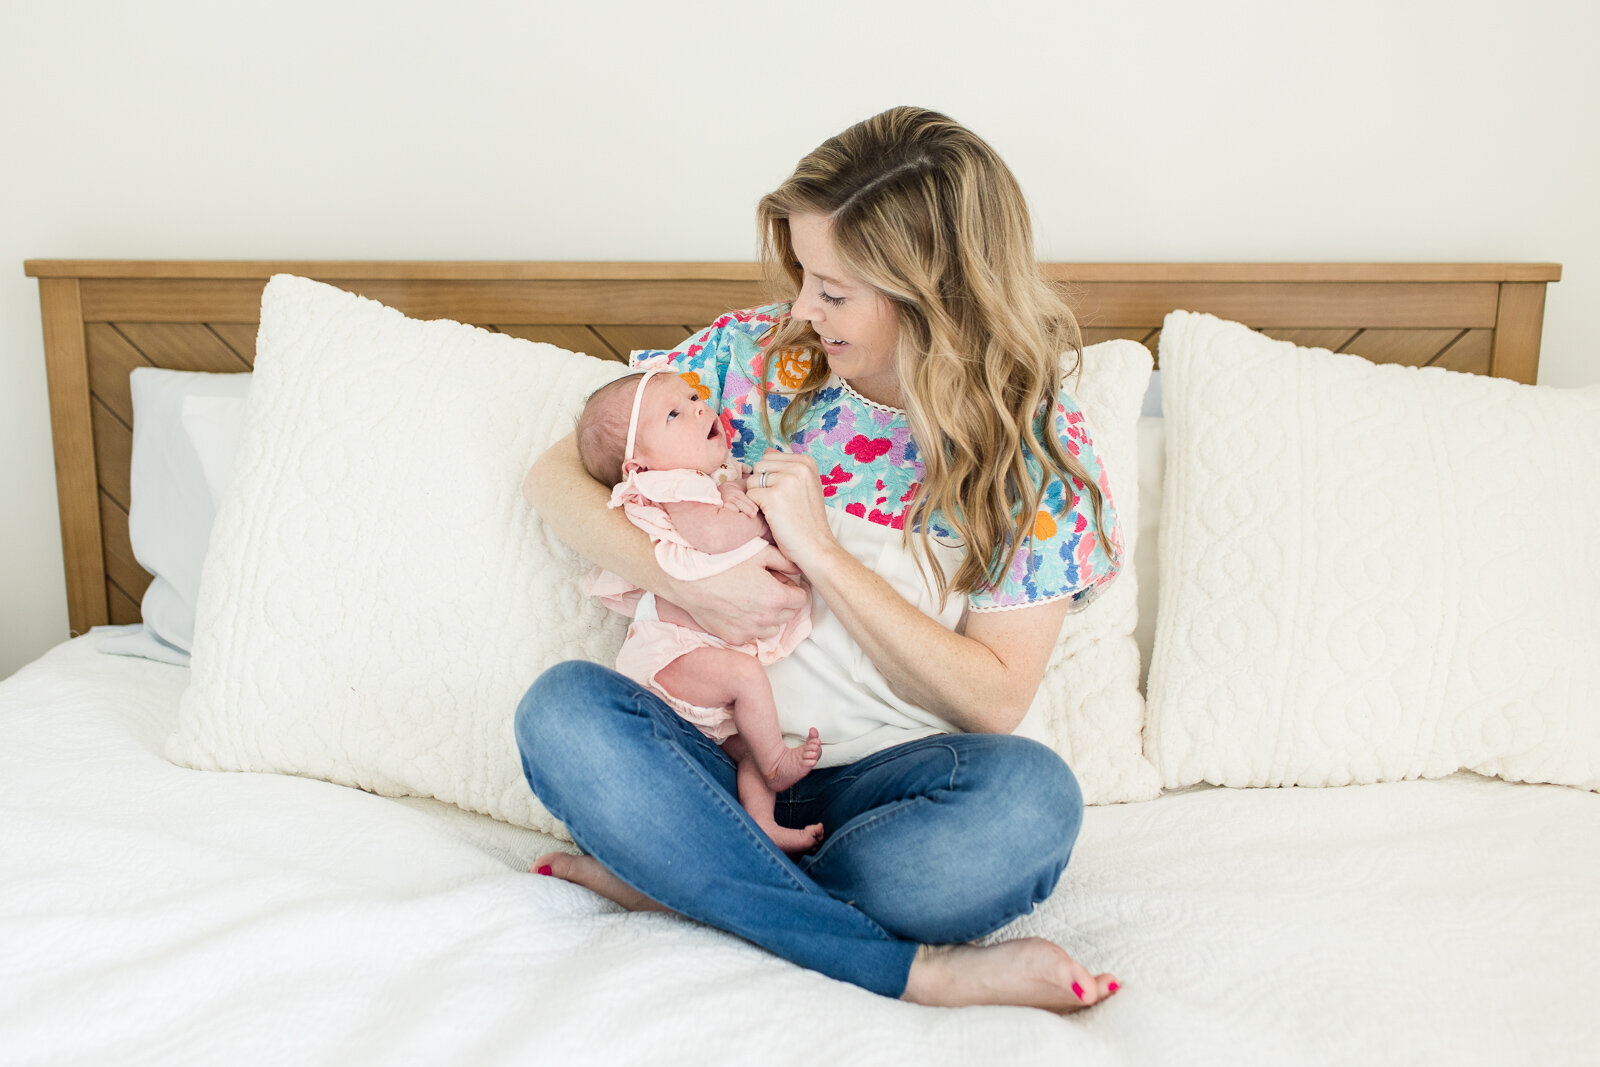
{"type": "Point", "coordinates": [625, 339]}
{"type": "Point", "coordinates": [239, 336]}
{"type": "Point", "coordinates": [112, 359]}
{"type": "Point", "coordinates": [71, 427]}
{"type": "Point", "coordinates": [122, 567]}
{"type": "Point", "coordinates": [113, 451]}
{"type": "Point", "coordinates": [123, 610]}
{"type": "Point", "coordinates": [1413, 348]}
{"type": "Point", "coordinates": [1401, 305]}
{"type": "Point", "coordinates": [552, 302]}
{"type": "Point", "coordinates": [1332, 340]}
{"type": "Point", "coordinates": [570, 337]}
{"type": "Point", "coordinates": [184, 346]}
{"type": "Point", "coordinates": [1518, 324]}
{"type": "Point", "coordinates": [1469, 354]}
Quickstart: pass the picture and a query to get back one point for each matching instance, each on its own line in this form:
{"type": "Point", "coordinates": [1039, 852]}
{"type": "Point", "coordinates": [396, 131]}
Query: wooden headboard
{"type": "Point", "coordinates": [104, 318]}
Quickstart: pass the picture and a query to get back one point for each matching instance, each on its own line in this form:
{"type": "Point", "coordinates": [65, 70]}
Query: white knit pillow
{"type": "Point", "coordinates": [377, 595]}
{"type": "Point", "coordinates": [1371, 572]}
{"type": "Point", "coordinates": [1089, 708]}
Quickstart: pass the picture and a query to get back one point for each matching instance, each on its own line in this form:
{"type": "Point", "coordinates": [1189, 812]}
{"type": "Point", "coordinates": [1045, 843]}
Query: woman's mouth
{"type": "Point", "coordinates": [830, 344]}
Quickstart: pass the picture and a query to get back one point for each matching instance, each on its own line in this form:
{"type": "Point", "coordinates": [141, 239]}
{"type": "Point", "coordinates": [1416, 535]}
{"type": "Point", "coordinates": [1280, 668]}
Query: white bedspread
{"type": "Point", "coordinates": [154, 914]}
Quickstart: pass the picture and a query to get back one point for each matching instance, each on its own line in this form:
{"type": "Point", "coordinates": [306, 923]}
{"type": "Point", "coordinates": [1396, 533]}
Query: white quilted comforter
{"type": "Point", "coordinates": [154, 914]}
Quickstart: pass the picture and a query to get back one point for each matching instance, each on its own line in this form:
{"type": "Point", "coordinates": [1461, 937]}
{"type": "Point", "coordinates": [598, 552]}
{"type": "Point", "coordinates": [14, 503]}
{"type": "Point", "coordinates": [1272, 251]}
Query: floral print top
{"type": "Point", "coordinates": [869, 463]}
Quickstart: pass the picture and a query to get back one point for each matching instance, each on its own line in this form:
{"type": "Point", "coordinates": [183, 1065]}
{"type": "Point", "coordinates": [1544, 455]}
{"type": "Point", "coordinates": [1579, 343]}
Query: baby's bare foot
{"type": "Point", "coordinates": [592, 874]}
{"type": "Point", "coordinates": [795, 763]}
{"type": "Point", "coordinates": [1030, 972]}
{"type": "Point", "coordinates": [792, 841]}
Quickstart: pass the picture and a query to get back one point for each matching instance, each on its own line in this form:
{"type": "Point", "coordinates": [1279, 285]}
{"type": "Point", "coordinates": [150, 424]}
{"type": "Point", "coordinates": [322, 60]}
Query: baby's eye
{"type": "Point", "coordinates": [672, 414]}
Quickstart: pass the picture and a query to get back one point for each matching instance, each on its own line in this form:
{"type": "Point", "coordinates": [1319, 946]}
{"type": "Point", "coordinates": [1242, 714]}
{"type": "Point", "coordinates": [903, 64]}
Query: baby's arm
{"type": "Point", "coordinates": [714, 529]}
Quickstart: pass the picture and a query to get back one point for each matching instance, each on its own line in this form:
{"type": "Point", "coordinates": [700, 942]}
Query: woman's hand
{"type": "Point", "coordinates": [789, 492]}
{"type": "Point", "coordinates": [756, 598]}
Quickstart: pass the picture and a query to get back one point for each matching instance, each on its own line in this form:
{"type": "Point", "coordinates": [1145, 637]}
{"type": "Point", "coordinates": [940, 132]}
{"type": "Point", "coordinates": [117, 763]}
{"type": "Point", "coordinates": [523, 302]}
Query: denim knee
{"type": "Point", "coordinates": [546, 711]}
{"type": "Point", "coordinates": [1047, 821]}
{"type": "Point", "coordinates": [967, 857]}
{"type": "Point", "coordinates": [1034, 810]}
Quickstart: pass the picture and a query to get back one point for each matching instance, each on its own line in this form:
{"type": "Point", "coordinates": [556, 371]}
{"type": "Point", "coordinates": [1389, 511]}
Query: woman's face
{"type": "Point", "coordinates": [857, 323]}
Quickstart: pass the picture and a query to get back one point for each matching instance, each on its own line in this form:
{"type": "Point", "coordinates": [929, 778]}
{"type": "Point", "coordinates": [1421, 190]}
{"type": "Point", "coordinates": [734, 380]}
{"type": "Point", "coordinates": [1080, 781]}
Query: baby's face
{"type": "Point", "coordinates": [676, 428]}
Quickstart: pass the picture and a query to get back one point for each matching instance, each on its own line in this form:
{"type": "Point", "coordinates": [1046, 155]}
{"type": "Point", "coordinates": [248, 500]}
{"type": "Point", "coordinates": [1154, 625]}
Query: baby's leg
{"type": "Point", "coordinates": [715, 677]}
{"type": "Point", "coordinates": [759, 799]}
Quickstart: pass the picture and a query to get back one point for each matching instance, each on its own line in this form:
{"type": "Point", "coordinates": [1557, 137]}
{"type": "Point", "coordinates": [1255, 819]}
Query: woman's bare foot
{"type": "Point", "coordinates": [1030, 972]}
{"type": "Point", "coordinates": [794, 763]}
{"type": "Point", "coordinates": [592, 874]}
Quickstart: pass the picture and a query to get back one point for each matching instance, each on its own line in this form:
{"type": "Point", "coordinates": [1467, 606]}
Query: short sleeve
{"type": "Point", "coordinates": [724, 359]}
{"type": "Point", "coordinates": [1065, 556]}
{"type": "Point", "coordinates": [696, 359]}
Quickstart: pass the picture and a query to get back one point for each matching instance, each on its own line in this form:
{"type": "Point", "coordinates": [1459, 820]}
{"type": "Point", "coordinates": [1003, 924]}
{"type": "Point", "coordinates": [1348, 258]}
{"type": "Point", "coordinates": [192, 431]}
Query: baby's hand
{"type": "Point", "coordinates": [735, 498]}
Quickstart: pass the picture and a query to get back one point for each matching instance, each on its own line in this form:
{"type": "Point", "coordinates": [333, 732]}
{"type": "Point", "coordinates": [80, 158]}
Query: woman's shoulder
{"type": "Point", "coordinates": [749, 326]}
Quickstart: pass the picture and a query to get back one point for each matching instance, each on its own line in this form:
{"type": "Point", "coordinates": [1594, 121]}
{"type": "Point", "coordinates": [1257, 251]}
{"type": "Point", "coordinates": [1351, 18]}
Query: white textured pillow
{"type": "Point", "coordinates": [1089, 708]}
{"type": "Point", "coordinates": [1147, 559]}
{"type": "Point", "coordinates": [378, 596]}
{"type": "Point", "coordinates": [1371, 572]}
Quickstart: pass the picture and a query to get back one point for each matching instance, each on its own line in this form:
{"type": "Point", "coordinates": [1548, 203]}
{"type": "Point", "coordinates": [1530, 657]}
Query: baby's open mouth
{"type": "Point", "coordinates": [716, 428]}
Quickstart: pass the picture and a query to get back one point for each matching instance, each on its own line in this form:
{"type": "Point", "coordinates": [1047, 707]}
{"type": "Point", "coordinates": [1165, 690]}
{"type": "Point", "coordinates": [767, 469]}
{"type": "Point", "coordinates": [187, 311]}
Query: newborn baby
{"type": "Point", "coordinates": [665, 452]}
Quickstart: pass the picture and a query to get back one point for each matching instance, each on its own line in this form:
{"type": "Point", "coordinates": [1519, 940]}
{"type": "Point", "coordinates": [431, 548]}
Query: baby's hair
{"type": "Point", "coordinates": [603, 428]}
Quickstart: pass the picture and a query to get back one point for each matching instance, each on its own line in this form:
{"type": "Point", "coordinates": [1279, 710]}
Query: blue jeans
{"type": "Point", "coordinates": [934, 841]}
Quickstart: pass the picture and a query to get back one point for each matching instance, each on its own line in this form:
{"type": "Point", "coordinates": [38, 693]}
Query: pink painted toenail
{"type": "Point", "coordinates": [1078, 989]}
{"type": "Point", "coordinates": [1112, 987]}
{"type": "Point", "coordinates": [546, 869]}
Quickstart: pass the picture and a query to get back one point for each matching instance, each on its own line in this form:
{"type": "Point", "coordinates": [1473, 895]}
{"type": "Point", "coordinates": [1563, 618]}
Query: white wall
{"type": "Point", "coordinates": [1231, 130]}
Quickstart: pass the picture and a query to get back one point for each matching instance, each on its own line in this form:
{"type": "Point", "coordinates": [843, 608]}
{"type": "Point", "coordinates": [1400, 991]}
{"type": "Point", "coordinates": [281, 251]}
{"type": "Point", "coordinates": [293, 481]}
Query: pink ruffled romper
{"type": "Point", "coordinates": [652, 644]}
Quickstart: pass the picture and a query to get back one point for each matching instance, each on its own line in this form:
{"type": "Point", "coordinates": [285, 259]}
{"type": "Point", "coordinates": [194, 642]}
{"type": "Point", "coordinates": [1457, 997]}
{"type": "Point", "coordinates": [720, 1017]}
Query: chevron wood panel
{"type": "Point", "coordinates": [123, 572]}
{"type": "Point", "coordinates": [1413, 348]}
{"type": "Point", "coordinates": [1332, 340]}
{"type": "Point", "coordinates": [239, 336]}
{"type": "Point", "coordinates": [1468, 354]}
{"type": "Point", "coordinates": [124, 610]}
{"type": "Point", "coordinates": [113, 451]}
{"type": "Point", "coordinates": [573, 338]}
{"type": "Point", "coordinates": [112, 358]}
{"type": "Point", "coordinates": [192, 346]}
{"type": "Point", "coordinates": [625, 339]}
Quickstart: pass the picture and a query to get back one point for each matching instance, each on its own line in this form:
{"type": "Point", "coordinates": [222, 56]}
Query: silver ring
{"type": "Point", "coordinates": [763, 483]}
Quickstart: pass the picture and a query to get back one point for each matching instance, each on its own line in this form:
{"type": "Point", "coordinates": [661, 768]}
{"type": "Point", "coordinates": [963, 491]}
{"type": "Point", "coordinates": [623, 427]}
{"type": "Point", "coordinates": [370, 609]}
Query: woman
{"type": "Point", "coordinates": [914, 460]}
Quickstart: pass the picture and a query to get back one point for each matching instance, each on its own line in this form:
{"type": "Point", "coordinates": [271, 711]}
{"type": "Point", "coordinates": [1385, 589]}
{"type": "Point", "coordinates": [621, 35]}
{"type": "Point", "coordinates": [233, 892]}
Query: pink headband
{"type": "Point", "coordinates": [633, 417]}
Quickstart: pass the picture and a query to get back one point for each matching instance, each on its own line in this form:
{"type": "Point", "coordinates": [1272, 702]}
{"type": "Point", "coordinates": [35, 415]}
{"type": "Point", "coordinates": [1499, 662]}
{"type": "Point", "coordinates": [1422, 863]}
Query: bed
{"type": "Point", "coordinates": [155, 913]}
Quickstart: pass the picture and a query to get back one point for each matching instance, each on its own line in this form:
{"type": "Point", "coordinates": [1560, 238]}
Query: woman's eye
{"type": "Point", "coordinates": [834, 300]}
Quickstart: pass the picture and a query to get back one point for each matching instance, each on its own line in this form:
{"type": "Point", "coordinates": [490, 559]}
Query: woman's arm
{"type": "Point", "coordinates": [982, 681]}
{"type": "Point", "coordinates": [738, 605]}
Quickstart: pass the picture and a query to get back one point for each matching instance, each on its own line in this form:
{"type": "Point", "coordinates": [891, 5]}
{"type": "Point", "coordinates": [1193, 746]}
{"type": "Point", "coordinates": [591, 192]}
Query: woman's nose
{"type": "Point", "coordinates": [802, 308]}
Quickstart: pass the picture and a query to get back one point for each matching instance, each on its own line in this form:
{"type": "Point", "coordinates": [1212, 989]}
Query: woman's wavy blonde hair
{"type": "Point", "coordinates": [924, 211]}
